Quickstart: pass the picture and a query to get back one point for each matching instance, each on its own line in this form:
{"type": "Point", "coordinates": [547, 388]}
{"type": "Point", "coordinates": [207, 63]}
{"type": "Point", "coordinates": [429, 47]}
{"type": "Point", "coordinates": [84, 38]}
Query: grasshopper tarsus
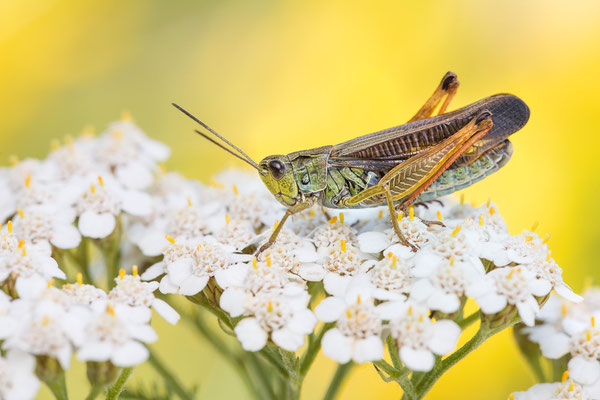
{"type": "Point", "coordinates": [449, 81]}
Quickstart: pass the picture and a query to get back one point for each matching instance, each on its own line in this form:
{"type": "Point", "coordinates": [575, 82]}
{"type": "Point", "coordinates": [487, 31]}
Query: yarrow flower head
{"type": "Point", "coordinates": [99, 204]}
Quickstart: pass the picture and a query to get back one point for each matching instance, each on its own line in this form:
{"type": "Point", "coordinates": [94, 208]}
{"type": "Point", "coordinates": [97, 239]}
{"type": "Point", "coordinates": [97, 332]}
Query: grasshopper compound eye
{"type": "Point", "coordinates": [277, 169]}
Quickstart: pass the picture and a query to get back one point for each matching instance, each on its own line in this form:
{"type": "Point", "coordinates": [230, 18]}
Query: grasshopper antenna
{"type": "Point", "coordinates": [205, 136]}
{"type": "Point", "coordinates": [243, 156]}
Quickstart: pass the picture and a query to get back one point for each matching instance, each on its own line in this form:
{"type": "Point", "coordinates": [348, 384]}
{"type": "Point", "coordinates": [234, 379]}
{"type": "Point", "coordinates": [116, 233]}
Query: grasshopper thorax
{"type": "Point", "coordinates": [277, 174]}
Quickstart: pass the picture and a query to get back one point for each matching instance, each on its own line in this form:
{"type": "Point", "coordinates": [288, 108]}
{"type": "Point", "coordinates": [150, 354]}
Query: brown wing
{"type": "Point", "coordinates": [419, 171]}
{"type": "Point", "coordinates": [388, 147]}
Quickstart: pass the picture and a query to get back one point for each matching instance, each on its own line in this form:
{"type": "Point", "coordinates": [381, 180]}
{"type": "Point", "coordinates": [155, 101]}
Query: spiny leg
{"type": "Point", "coordinates": [484, 124]}
{"type": "Point", "coordinates": [426, 203]}
{"type": "Point", "coordinates": [289, 212]}
{"type": "Point", "coordinates": [275, 233]}
{"type": "Point", "coordinates": [445, 91]}
{"type": "Point", "coordinates": [394, 216]}
{"type": "Point", "coordinates": [426, 206]}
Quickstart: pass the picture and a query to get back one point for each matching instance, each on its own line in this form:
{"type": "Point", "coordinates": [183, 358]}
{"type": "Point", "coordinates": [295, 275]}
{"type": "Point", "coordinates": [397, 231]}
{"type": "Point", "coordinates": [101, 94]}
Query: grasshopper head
{"type": "Point", "coordinates": [277, 174]}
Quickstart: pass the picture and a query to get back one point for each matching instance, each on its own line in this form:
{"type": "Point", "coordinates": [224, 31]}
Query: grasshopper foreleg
{"type": "Point", "coordinates": [289, 212]}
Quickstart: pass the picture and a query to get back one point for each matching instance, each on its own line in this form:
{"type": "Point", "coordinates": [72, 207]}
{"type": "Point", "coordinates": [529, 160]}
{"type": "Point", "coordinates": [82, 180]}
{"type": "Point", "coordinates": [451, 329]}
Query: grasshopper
{"type": "Point", "coordinates": [421, 160]}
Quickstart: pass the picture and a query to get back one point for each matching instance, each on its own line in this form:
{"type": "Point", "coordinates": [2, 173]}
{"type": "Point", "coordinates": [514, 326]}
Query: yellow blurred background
{"type": "Point", "coordinates": [276, 77]}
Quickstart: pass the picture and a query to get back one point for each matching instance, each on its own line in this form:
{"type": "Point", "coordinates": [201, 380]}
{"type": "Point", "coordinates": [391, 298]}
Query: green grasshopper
{"type": "Point", "coordinates": [421, 160]}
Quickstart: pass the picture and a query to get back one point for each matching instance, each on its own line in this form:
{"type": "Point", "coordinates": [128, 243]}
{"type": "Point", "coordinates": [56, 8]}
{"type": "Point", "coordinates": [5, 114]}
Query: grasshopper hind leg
{"type": "Point", "coordinates": [444, 92]}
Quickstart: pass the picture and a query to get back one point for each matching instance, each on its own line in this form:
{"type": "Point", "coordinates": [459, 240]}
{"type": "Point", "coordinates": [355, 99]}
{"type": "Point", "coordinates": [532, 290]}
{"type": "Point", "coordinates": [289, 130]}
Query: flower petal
{"type": "Point", "coordinates": [583, 370]}
{"type": "Point", "coordinates": [129, 354]}
{"type": "Point", "coordinates": [337, 346]}
{"type": "Point", "coordinates": [65, 236]}
{"type": "Point", "coordinates": [153, 271]}
{"type": "Point", "coordinates": [368, 349]}
{"type": "Point", "coordinates": [288, 339]}
{"type": "Point", "coordinates": [232, 301]}
{"type": "Point", "coordinates": [96, 225]}
{"type": "Point", "coordinates": [373, 242]}
{"type": "Point", "coordinates": [330, 309]}
{"type": "Point", "coordinates": [180, 270]}
{"type": "Point", "coordinates": [193, 284]}
{"type": "Point", "coordinates": [250, 334]}
{"type": "Point", "coordinates": [445, 337]}
{"type": "Point", "coordinates": [165, 311]}
{"type": "Point", "coordinates": [303, 321]}
{"type": "Point", "coordinates": [311, 272]}
{"type": "Point", "coordinates": [417, 360]}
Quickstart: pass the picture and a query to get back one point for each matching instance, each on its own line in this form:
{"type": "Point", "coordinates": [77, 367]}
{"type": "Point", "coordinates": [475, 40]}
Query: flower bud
{"type": "Point", "coordinates": [48, 369]}
{"type": "Point", "coordinates": [102, 373]}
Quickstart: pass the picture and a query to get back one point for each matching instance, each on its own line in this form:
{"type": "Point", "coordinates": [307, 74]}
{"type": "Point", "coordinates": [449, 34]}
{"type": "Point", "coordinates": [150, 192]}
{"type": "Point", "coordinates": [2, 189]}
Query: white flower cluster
{"type": "Point", "coordinates": [567, 329]}
{"type": "Point", "coordinates": [82, 189]}
{"type": "Point", "coordinates": [200, 241]}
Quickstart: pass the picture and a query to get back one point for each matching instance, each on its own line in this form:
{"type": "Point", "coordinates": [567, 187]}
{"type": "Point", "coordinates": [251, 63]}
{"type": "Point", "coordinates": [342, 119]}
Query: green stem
{"type": "Point", "coordinates": [217, 312]}
{"type": "Point", "coordinates": [428, 380]}
{"type": "Point", "coordinates": [83, 261]}
{"type": "Point", "coordinates": [169, 378]}
{"type": "Point", "coordinates": [264, 384]}
{"type": "Point", "coordinates": [58, 387]}
{"type": "Point", "coordinates": [336, 382]}
{"type": "Point", "coordinates": [468, 321]}
{"type": "Point", "coordinates": [236, 362]}
{"type": "Point", "coordinates": [394, 353]}
{"type": "Point", "coordinates": [314, 345]}
{"type": "Point", "coordinates": [115, 390]}
{"type": "Point", "coordinates": [272, 356]}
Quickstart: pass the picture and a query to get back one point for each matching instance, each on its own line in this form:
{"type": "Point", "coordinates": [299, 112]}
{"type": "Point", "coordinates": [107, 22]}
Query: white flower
{"type": "Point", "coordinates": [415, 231]}
{"type": "Point", "coordinates": [334, 232]}
{"type": "Point", "coordinates": [392, 277]}
{"type": "Point", "coordinates": [190, 267]}
{"type": "Point", "coordinates": [447, 245]}
{"type": "Point", "coordinates": [418, 337]}
{"type": "Point", "coordinates": [102, 202]}
{"type": "Point", "coordinates": [114, 335]}
{"type": "Point", "coordinates": [515, 286]}
{"type": "Point", "coordinates": [241, 281]}
{"type": "Point", "coordinates": [17, 378]}
{"type": "Point", "coordinates": [443, 288]}
{"type": "Point", "coordinates": [358, 330]}
{"type": "Point", "coordinates": [29, 271]}
{"type": "Point", "coordinates": [45, 225]}
{"type": "Point", "coordinates": [568, 389]}
{"type": "Point", "coordinates": [340, 262]}
{"type": "Point", "coordinates": [84, 294]}
{"type": "Point", "coordinates": [584, 365]}
{"type": "Point", "coordinates": [236, 233]}
{"type": "Point", "coordinates": [8, 321]}
{"type": "Point", "coordinates": [8, 241]}
{"type": "Point", "coordinates": [286, 319]}
{"type": "Point", "coordinates": [373, 241]}
{"type": "Point", "coordinates": [520, 249]}
{"type": "Point", "coordinates": [486, 233]}
{"type": "Point", "coordinates": [126, 150]}
{"type": "Point", "coordinates": [294, 254]}
{"type": "Point", "coordinates": [306, 222]}
{"type": "Point", "coordinates": [257, 207]}
{"type": "Point", "coordinates": [548, 273]}
{"type": "Point", "coordinates": [130, 291]}
{"type": "Point", "coordinates": [46, 328]}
